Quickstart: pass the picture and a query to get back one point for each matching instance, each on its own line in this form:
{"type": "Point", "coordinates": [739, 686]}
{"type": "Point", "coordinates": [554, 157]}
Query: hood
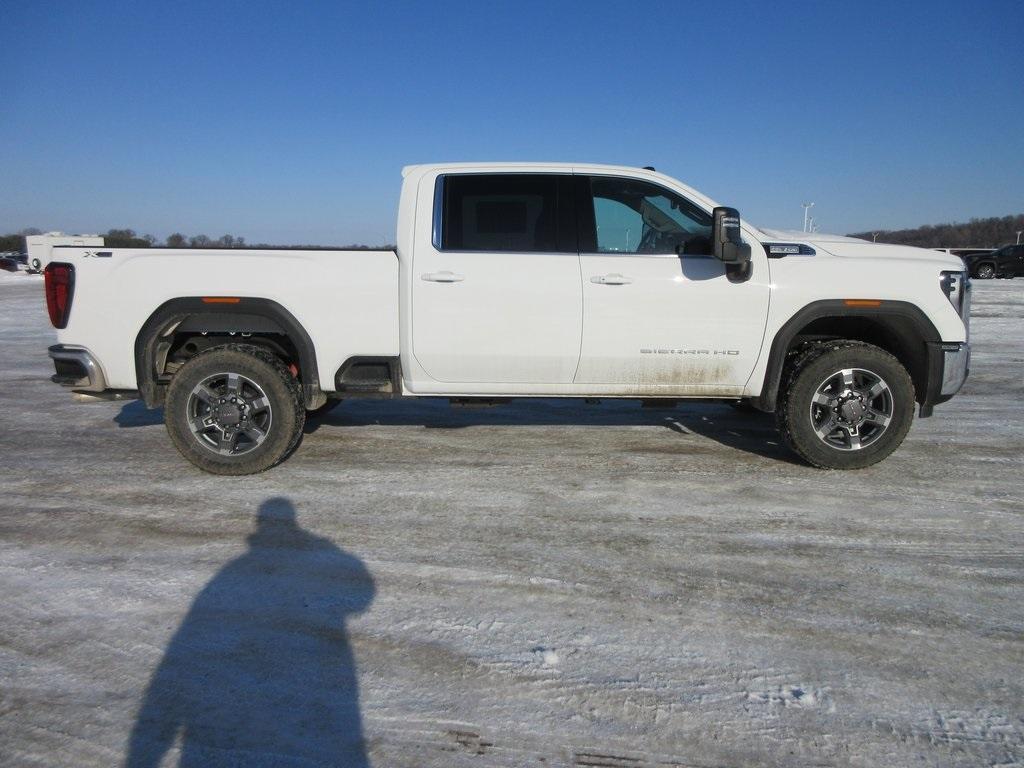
{"type": "Point", "coordinates": [854, 247]}
{"type": "Point", "coordinates": [809, 237]}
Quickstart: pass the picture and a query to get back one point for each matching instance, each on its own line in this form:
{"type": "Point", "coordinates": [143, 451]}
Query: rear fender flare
{"type": "Point", "coordinates": [248, 314]}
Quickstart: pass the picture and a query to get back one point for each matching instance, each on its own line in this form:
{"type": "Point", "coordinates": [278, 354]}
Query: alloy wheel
{"type": "Point", "coordinates": [229, 414]}
{"type": "Point", "coordinates": [851, 409]}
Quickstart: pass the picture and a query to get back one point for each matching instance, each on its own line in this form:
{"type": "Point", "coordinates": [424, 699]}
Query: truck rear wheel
{"type": "Point", "coordinates": [845, 404]}
{"type": "Point", "coordinates": [234, 410]}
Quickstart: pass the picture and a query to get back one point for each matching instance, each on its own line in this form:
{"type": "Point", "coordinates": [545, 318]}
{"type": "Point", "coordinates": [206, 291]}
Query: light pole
{"type": "Point", "coordinates": [1019, 233]}
{"type": "Point", "coordinates": [874, 237]}
{"type": "Point", "coordinates": [807, 211]}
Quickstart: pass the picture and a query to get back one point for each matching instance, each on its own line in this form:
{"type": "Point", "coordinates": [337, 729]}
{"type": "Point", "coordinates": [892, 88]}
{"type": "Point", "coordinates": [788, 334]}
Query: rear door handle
{"type": "Point", "coordinates": [612, 279]}
{"type": "Point", "coordinates": [442, 277]}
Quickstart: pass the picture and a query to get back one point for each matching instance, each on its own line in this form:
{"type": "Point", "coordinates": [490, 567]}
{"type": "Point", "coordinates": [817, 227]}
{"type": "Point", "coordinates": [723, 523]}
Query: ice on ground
{"type": "Point", "coordinates": [552, 584]}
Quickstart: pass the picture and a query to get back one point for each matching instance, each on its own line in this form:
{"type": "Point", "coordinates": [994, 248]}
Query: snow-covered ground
{"type": "Point", "coordinates": [21, 277]}
{"type": "Point", "coordinates": [543, 583]}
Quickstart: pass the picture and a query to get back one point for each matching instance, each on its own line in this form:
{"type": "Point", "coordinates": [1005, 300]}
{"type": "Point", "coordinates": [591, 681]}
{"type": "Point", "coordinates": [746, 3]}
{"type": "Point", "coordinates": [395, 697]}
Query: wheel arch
{"type": "Point", "coordinates": [200, 315]}
{"type": "Point", "coordinates": [898, 327]}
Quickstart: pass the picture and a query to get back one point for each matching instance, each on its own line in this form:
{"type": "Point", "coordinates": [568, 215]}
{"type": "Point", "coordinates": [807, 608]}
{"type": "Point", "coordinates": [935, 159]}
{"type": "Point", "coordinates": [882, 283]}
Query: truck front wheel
{"type": "Point", "coordinates": [845, 404]}
{"type": "Point", "coordinates": [234, 410]}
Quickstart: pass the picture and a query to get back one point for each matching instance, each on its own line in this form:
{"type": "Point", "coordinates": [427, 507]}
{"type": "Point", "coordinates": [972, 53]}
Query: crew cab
{"type": "Point", "coordinates": [522, 280]}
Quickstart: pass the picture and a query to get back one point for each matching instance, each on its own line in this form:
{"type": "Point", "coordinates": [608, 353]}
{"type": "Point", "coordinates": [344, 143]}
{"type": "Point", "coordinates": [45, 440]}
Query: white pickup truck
{"type": "Point", "coordinates": [522, 280]}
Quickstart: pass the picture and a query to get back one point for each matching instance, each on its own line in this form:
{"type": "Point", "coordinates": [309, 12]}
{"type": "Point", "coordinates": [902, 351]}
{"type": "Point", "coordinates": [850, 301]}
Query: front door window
{"type": "Point", "coordinates": [633, 216]}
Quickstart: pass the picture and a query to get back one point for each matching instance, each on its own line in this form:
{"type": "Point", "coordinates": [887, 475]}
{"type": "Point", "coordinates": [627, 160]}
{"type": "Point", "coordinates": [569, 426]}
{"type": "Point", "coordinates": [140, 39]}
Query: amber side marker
{"type": "Point", "coordinates": [862, 302]}
{"type": "Point", "coordinates": [221, 299]}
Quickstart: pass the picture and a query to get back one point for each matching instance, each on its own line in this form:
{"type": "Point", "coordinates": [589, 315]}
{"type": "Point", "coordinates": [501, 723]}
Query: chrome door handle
{"type": "Point", "coordinates": [612, 279]}
{"type": "Point", "coordinates": [442, 277]}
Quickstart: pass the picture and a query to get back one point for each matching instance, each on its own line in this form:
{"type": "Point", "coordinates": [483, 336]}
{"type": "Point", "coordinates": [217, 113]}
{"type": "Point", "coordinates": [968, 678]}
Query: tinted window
{"type": "Point", "coordinates": [508, 212]}
{"type": "Point", "coordinates": [633, 216]}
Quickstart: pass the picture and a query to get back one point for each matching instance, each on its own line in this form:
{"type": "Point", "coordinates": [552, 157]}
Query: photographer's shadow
{"type": "Point", "coordinates": [260, 672]}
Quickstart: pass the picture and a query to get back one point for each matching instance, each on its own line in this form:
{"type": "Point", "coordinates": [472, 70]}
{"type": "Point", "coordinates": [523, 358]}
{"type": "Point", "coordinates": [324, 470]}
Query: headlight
{"type": "Point", "coordinates": [957, 287]}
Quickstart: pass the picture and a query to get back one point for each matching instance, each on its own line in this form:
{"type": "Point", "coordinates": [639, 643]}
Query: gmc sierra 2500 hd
{"type": "Point", "coordinates": [521, 280]}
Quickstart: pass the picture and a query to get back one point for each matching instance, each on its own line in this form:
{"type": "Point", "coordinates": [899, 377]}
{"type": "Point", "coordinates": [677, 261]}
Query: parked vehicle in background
{"type": "Point", "coordinates": [1007, 262]}
{"type": "Point", "coordinates": [19, 257]}
{"type": "Point", "coordinates": [522, 280]}
{"type": "Point", "coordinates": [39, 248]}
{"type": "Point", "coordinates": [9, 264]}
{"type": "Point", "coordinates": [964, 252]}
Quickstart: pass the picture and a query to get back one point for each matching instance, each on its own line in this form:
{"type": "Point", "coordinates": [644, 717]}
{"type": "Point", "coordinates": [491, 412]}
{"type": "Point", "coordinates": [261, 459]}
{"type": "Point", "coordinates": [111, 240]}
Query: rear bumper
{"type": "Point", "coordinates": [77, 368]}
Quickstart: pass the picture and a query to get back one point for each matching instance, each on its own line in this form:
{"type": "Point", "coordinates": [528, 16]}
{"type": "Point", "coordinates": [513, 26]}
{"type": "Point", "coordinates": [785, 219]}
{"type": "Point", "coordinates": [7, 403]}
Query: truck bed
{"type": "Point", "coordinates": [328, 292]}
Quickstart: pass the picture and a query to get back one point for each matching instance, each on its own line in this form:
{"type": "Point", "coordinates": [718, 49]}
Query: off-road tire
{"type": "Point", "coordinates": [806, 367]}
{"type": "Point", "coordinates": [282, 389]}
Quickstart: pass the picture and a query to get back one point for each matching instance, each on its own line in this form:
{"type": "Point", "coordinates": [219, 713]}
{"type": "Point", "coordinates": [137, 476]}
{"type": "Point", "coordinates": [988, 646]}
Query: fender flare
{"type": "Point", "coordinates": [904, 320]}
{"type": "Point", "coordinates": [248, 314]}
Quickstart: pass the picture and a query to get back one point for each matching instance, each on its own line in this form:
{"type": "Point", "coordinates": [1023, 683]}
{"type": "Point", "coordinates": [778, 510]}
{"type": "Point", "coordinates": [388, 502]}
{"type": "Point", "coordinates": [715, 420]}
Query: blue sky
{"type": "Point", "coordinates": [289, 122]}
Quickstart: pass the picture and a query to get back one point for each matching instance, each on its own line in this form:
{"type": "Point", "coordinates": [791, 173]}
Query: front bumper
{"type": "Point", "coordinates": [956, 362]}
{"type": "Point", "coordinates": [949, 363]}
{"type": "Point", "coordinates": [77, 368]}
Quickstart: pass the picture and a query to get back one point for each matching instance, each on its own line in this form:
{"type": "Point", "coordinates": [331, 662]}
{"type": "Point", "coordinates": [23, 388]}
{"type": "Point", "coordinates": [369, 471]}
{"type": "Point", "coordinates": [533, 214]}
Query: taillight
{"type": "Point", "coordinates": [60, 288]}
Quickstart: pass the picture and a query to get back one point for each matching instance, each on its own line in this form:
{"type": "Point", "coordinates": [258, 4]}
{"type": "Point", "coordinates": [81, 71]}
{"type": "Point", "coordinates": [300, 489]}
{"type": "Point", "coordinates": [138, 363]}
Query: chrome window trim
{"type": "Point", "coordinates": [435, 236]}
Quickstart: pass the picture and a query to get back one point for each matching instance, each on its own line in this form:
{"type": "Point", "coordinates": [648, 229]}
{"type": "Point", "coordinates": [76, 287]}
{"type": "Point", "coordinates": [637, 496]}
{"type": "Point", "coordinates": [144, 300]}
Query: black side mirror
{"type": "Point", "coordinates": [726, 242]}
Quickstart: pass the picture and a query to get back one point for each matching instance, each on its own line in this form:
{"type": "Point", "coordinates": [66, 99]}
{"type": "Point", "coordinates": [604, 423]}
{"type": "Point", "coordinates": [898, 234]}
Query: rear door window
{"type": "Point", "coordinates": [526, 213]}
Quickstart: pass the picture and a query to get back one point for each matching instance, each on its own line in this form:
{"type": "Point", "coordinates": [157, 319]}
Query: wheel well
{"type": "Point", "coordinates": [181, 346]}
{"type": "Point", "coordinates": [902, 330]}
{"type": "Point", "coordinates": [895, 338]}
{"type": "Point", "coordinates": [183, 328]}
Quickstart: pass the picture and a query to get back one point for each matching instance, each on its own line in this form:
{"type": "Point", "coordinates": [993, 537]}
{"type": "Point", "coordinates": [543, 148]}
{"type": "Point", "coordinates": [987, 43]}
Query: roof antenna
{"type": "Point", "coordinates": [649, 168]}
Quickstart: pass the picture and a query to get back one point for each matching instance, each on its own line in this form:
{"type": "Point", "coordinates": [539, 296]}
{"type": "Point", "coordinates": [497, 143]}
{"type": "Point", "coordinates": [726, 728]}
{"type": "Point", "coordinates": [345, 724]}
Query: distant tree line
{"type": "Point", "coordinates": [16, 241]}
{"type": "Point", "coordinates": [178, 240]}
{"type": "Point", "coordinates": [983, 233]}
{"type": "Point", "coordinates": [9, 243]}
{"type": "Point", "coordinates": [128, 238]}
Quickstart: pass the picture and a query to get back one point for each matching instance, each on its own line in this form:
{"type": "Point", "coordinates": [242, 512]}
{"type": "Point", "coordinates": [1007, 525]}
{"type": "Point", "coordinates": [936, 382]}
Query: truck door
{"type": "Point", "coordinates": [654, 321]}
{"type": "Point", "coordinates": [496, 294]}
